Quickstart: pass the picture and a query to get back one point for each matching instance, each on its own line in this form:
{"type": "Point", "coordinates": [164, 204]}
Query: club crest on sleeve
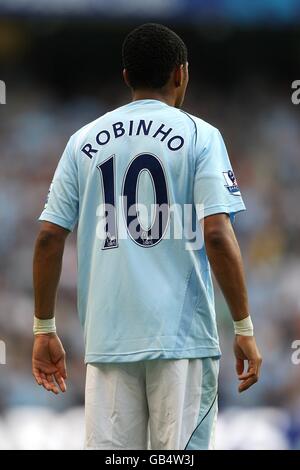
{"type": "Point", "coordinates": [231, 183]}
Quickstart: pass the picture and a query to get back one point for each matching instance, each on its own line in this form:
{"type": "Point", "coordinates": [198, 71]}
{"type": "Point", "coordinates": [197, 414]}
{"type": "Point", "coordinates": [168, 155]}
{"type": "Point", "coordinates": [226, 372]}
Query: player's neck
{"type": "Point", "coordinates": [153, 95]}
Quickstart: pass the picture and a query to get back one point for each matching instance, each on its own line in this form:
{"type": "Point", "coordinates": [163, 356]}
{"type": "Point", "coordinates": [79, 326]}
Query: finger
{"type": "Point", "coordinates": [44, 381]}
{"type": "Point", "coordinates": [252, 370]}
{"type": "Point", "coordinates": [36, 375]}
{"type": "Point", "coordinates": [247, 375]}
{"type": "Point", "coordinates": [259, 367]}
{"type": "Point", "coordinates": [46, 384]}
{"type": "Point", "coordinates": [61, 366]}
{"type": "Point", "coordinates": [239, 366]}
{"type": "Point", "coordinates": [60, 382]}
{"type": "Point", "coordinates": [247, 384]}
{"type": "Point", "coordinates": [252, 365]}
{"type": "Point", "coordinates": [52, 385]}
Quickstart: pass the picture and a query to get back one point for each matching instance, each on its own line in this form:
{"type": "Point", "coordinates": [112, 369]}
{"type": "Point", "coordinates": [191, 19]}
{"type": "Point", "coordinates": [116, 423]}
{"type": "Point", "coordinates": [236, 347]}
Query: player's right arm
{"type": "Point", "coordinates": [58, 218]}
{"type": "Point", "coordinates": [225, 259]}
{"type": "Point", "coordinates": [48, 356]}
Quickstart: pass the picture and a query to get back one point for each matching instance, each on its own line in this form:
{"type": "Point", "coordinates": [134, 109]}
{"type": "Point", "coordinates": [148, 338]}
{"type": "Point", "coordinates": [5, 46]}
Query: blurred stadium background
{"type": "Point", "coordinates": [61, 63]}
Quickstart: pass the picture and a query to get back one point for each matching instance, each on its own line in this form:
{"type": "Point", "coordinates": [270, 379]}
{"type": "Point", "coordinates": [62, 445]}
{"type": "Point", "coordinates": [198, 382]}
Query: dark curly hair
{"type": "Point", "coordinates": [150, 53]}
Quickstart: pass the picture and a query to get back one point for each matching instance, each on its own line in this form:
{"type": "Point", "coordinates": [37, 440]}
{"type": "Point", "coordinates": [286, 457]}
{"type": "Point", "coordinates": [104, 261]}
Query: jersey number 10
{"type": "Point", "coordinates": [141, 236]}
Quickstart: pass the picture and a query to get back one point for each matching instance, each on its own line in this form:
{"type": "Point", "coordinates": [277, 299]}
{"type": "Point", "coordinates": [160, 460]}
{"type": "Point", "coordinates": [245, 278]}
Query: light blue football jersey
{"type": "Point", "coordinates": [136, 180]}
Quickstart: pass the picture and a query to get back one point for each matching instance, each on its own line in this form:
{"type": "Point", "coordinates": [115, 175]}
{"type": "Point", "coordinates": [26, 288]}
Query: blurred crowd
{"type": "Point", "coordinates": [42, 428]}
{"type": "Point", "coordinates": [261, 129]}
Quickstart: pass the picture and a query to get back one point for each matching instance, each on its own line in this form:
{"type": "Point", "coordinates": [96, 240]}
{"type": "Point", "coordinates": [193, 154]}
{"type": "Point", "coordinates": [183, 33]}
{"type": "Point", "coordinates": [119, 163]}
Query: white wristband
{"type": "Point", "coordinates": [43, 327]}
{"type": "Point", "coordinates": [243, 327]}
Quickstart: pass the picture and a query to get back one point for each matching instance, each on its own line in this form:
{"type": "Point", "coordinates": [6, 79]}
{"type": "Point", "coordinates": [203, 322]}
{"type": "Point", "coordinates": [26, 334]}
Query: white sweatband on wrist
{"type": "Point", "coordinates": [43, 327]}
{"type": "Point", "coordinates": [243, 327]}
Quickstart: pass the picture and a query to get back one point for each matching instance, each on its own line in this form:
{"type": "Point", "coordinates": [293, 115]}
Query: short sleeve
{"type": "Point", "coordinates": [61, 207]}
{"type": "Point", "coordinates": [215, 186]}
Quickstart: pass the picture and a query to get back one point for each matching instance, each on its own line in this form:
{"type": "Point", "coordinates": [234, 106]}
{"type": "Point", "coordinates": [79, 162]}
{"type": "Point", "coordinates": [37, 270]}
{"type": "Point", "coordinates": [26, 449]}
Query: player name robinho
{"type": "Point", "coordinates": [134, 128]}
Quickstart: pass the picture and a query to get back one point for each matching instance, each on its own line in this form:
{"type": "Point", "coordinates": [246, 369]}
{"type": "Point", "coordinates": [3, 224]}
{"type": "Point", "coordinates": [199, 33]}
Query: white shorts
{"type": "Point", "coordinates": [158, 404]}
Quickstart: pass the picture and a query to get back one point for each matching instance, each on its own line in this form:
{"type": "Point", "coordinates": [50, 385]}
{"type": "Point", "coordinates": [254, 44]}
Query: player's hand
{"type": "Point", "coordinates": [245, 349]}
{"type": "Point", "coordinates": [48, 363]}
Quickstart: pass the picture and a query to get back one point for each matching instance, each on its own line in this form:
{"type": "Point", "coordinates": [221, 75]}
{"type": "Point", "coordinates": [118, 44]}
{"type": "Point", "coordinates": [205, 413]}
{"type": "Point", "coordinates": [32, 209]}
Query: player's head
{"type": "Point", "coordinates": [155, 58]}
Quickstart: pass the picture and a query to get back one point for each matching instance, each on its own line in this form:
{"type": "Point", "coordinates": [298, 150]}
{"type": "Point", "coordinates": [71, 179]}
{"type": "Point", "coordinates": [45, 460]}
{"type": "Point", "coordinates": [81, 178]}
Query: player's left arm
{"type": "Point", "coordinates": [48, 358]}
{"type": "Point", "coordinates": [218, 197]}
{"type": "Point", "coordinates": [226, 261]}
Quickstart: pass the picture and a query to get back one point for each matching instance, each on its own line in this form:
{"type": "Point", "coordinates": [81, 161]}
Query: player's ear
{"type": "Point", "coordinates": [126, 78]}
{"type": "Point", "coordinates": [186, 71]}
{"type": "Point", "coordinates": [178, 76]}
